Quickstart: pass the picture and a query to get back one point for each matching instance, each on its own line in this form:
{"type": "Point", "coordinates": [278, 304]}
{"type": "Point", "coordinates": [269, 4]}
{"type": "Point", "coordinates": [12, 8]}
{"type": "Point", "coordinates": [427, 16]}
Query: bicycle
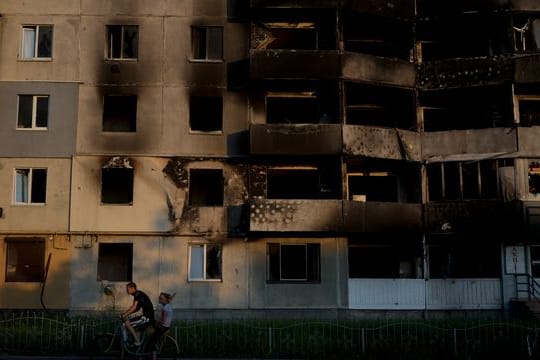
{"type": "Point", "coordinates": [120, 343]}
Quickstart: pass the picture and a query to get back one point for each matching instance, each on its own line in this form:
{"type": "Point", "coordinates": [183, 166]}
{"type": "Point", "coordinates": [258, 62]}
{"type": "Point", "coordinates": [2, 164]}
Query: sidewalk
{"type": "Point", "coordinates": [67, 357]}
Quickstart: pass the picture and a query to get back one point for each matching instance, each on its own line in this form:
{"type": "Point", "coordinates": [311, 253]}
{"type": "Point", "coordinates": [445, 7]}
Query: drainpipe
{"type": "Point", "coordinates": [43, 283]}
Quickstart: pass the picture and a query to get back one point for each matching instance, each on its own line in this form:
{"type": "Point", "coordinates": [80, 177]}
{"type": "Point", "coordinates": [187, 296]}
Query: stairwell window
{"type": "Point", "coordinates": [36, 42]}
{"type": "Point", "coordinates": [122, 42]}
{"type": "Point", "coordinates": [293, 262]}
{"type": "Point", "coordinates": [33, 112]}
{"type": "Point", "coordinates": [207, 43]}
{"type": "Point", "coordinates": [205, 262]}
{"type": "Point", "coordinates": [30, 186]}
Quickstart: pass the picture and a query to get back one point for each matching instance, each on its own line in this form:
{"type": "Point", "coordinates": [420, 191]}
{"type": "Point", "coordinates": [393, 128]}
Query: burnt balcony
{"type": "Point", "coordinates": [284, 215]}
{"type": "Point", "coordinates": [527, 69]}
{"type": "Point", "coordinates": [376, 142]}
{"type": "Point", "coordinates": [381, 216]}
{"type": "Point", "coordinates": [295, 139]}
{"type": "Point", "coordinates": [294, 64]}
{"type": "Point", "coordinates": [468, 144]}
{"type": "Point", "coordinates": [377, 70]}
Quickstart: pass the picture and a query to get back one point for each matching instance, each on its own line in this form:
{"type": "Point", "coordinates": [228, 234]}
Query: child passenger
{"type": "Point", "coordinates": [163, 319]}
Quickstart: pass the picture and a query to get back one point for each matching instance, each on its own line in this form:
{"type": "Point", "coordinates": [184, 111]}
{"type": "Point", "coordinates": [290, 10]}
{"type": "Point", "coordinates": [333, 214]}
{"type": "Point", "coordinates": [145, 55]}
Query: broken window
{"type": "Point", "coordinates": [30, 186]}
{"type": "Point", "coordinates": [529, 111]}
{"type": "Point", "coordinates": [206, 187]}
{"type": "Point", "coordinates": [207, 43]}
{"type": "Point", "coordinates": [120, 113]}
{"type": "Point", "coordinates": [115, 262]}
{"type": "Point", "coordinates": [25, 259]}
{"type": "Point", "coordinates": [206, 113]}
{"type": "Point", "coordinates": [465, 180]}
{"type": "Point", "coordinates": [451, 257]}
{"type": "Point", "coordinates": [285, 35]}
{"type": "Point", "coordinates": [122, 42]}
{"type": "Point", "coordinates": [36, 42]}
{"type": "Point", "coordinates": [292, 183]}
{"type": "Point", "coordinates": [535, 261]}
{"type": "Point", "coordinates": [117, 185]}
{"type": "Point", "coordinates": [293, 262]}
{"type": "Point", "coordinates": [293, 108]}
{"type": "Point", "coordinates": [205, 262]}
{"type": "Point", "coordinates": [33, 112]}
{"type": "Point", "coordinates": [373, 186]}
{"type": "Point", "coordinates": [385, 259]}
{"type": "Point", "coordinates": [534, 177]}
{"type": "Point", "coordinates": [526, 34]}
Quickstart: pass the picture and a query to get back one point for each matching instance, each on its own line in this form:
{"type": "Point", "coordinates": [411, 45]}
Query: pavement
{"type": "Point", "coordinates": [77, 357]}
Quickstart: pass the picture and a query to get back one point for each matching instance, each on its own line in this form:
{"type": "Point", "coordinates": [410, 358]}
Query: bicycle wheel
{"type": "Point", "coordinates": [169, 348]}
{"type": "Point", "coordinates": [101, 344]}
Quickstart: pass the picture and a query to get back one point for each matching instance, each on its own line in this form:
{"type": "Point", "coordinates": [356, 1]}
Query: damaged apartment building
{"type": "Point", "coordinates": [313, 157]}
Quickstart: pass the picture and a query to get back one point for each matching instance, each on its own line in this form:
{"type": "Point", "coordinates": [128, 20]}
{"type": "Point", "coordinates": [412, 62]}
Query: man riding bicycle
{"type": "Point", "coordinates": [140, 314]}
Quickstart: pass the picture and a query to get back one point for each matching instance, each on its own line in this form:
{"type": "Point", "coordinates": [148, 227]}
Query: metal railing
{"type": "Point", "coordinates": [34, 333]}
{"type": "Point", "coordinates": [527, 286]}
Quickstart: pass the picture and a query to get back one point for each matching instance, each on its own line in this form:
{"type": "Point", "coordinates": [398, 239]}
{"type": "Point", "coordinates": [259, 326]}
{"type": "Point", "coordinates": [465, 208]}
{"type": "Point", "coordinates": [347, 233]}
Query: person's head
{"type": "Point", "coordinates": [131, 287]}
{"type": "Point", "coordinates": [164, 298]}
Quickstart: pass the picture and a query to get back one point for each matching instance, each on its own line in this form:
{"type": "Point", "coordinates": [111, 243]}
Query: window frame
{"type": "Point", "coordinates": [29, 189]}
{"type": "Point", "coordinates": [204, 262]}
{"type": "Point", "coordinates": [35, 98]}
{"type": "Point", "coordinates": [111, 245]}
{"type": "Point", "coordinates": [35, 56]}
{"type": "Point", "coordinates": [130, 203]}
{"type": "Point", "coordinates": [282, 280]}
{"type": "Point", "coordinates": [191, 201]}
{"type": "Point", "coordinates": [29, 240]}
{"type": "Point", "coordinates": [202, 132]}
{"type": "Point", "coordinates": [206, 59]}
{"type": "Point", "coordinates": [109, 44]}
{"type": "Point", "coordinates": [105, 119]}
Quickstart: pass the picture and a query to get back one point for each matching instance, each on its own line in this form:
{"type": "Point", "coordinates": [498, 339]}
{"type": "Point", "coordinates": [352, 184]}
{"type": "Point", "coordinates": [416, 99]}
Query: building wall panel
{"type": "Point", "coordinates": [464, 294]}
{"type": "Point", "coordinates": [387, 294]}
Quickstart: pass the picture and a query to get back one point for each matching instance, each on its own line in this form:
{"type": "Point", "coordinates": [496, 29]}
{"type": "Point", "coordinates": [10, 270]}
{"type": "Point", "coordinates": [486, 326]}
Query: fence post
{"type": "Point", "coordinates": [455, 341]}
{"type": "Point", "coordinates": [270, 346]}
{"type": "Point", "coordinates": [363, 340]}
{"type": "Point", "coordinates": [81, 344]}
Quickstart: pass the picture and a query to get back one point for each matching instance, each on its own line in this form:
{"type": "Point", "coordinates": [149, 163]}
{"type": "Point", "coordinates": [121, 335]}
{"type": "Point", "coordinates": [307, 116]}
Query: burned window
{"type": "Point", "coordinates": [115, 262]}
{"type": "Point", "coordinates": [205, 262]}
{"type": "Point", "coordinates": [30, 186]}
{"type": "Point", "coordinates": [373, 186]}
{"type": "Point", "coordinates": [206, 113]}
{"type": "Point", "coordinates": [292, 183]}
{"type": "Point", "coordinates": [285, 35]}
{"type": "Point", "coordinates": [463, 259]}
{"type": "Point", "coordinates": [120, 113]}
{"type": "Point", "coordinates": [33, 112]}
{"type": "Point", "coordinates": [534, 177]}
{"type": "Point", "coordinates": [534, 252]}
{"type": "Point", "coordinates": [122, 42]}
{"type": "Point", "coordinates": [207, 43]}
{"type": "Point", "coordinates": [300, 108]}
{"type": "Point", "coordinates": [206, 187]}
{"type": "Point", "coordinates": [529, 111]}
{"type": "Point", "coordinates": [36, 42]}
{"type": "Point", "coordinates": [465, 180]}
{"type": "Point", "coordinates": [293, 262]}
{"type": "Point", "coordinates": [25, 259]}
{"type": "Point", "coordinates": [527, 34]}
{"type": "Point", "coordinates": [117, 186]}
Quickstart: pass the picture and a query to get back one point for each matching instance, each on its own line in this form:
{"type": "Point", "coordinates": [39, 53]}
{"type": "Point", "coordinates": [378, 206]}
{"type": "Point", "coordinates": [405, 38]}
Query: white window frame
{"type": "Point", "coordinates": [203, 245]}
{"type": "Point", "coordinates": [206, 59]}
{"type": "Point", "coordinates": [109, 49]}
{"type": "Point", "coordinates": [35, 29]}
{"type": "Point", "coordinates": [29, 186]}
{"type": "Point", "coordinates": [34, 112]}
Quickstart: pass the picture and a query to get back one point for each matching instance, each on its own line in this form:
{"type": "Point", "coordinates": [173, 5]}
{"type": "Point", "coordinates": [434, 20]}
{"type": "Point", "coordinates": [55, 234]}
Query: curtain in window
{"type": "Point", "coordinates": [21, 186]}
{"type": "Point", "coordinates": [29, 43]}
{"type": "Point", "coordinates": [196, 270]}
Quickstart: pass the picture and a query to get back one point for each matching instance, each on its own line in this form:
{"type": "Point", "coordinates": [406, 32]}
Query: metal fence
{"type": "Point", "coordinates": [36, 333]}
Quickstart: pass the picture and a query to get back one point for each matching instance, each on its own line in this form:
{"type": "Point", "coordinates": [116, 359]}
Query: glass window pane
{"type": "Point", "coordinates": [25, 260]}
{"type": "Point", "coordinates": [25, 111]}
{"type": "Point", "coordinates": [197, 260]}
{"type": "Point", "coordinates": [39, 186]}
{"type": "Point", "coordinates": [199, 43]}
{"type": "Point", "coordinates": [45, 34]}
{"type": "Point", "coordinates": [21, 185]}
{"type": "Point", "coordinates": [131, 42]}
{"type": "Point", "coordinates": [42, 111]}
{"type": "Point", "coordinates": [293, 262]}
{"type": "Point", "coordinates": [114, 50]}
{"type": "Point", "coordinates": [214, 43]}
{"type": "Point", "coordinates": [29, 42]}
{"type": "Point", "coordinates": [213, 262]}
{"type": "Point", "coordinates": [273, 262]}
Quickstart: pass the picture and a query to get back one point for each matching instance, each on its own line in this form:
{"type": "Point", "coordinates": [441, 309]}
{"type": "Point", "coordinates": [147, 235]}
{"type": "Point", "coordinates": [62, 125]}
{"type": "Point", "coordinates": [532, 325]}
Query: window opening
{"type": "Point", "coordinates": [207, 43]}
{"type": "Point", "coordinates": [30, 186]}
{"type": "Point", "coordinates": [37, 42]}
{"type": "Point", "coordinates": [115, 262]}
{"type": "Point", "coordinates": [299, 108]}
{"type": "Point", "coordinates": [206, 187]}
{"type": "Point", "coordinates": [120, 113]}
{"type": "Point", "coordinates": [293, 184]}
{"type": "Point", "coordinates": [206, 113]}
{"type": "Point", "coordinates": [33, 112]}
{"type": "Point", "coordinates": [529, 111]}
{"type": "Point", "coordinates": [117, 186]}
{"type": "Point", "coordinates": [293, 262]}
{"type": "Point", "coordinates": [534, 177]}
{"type": "Point", "coordinates": [122, 42]}
{"type": "Point", "coordinates": [373, 186]}
{"type": "Point", "coordinates": [384, 261]}
{"type": "Point", "coordinates": [25, 259]}
{"type": "Point", "coordinates": [205, 262]}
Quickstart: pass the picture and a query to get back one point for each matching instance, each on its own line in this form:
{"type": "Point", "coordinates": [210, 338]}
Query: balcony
{"type": "Point", "coordinates": [386, 143]}
{"type": "Point", "coordinates": [467, 144]}
{"type": "Point", "coordinates": [297, 139]}
{"type": "Point", "coordinates": [296, 215]}
{"type": "Point", "coordinates": [294, 64]}
{"type": "Point", "coordinates": [381, 216]}
{"type": "Point", "coordinates": [527, 69]}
